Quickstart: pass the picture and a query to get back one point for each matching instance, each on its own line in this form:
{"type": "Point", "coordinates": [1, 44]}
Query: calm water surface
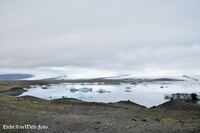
{"type": "Point", "coordinates": [147, 94]}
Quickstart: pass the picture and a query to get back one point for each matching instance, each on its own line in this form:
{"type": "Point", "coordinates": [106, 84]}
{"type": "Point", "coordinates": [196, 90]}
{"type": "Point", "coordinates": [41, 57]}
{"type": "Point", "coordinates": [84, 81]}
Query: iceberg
{"type": "Point", "coordinates": [72, 89]}
{"type": "Point", "coordinates": [85, 89]}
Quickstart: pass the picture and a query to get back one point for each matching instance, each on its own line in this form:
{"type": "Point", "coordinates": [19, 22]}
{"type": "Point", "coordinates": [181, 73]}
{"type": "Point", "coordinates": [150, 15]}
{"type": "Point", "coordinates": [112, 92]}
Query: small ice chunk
{"type": "Point", "coordinates": [128, 87]}
{"type": "Point", "coordinates": [85, 89]}
{"type": "Point", "coordinates": [102, 91]}
{"type": "Point", "coordinates": [128, 90]}
{"type": "Point", "coordinates": [44, 87]}
{"type": "Point", "coordinates": [72, 89]}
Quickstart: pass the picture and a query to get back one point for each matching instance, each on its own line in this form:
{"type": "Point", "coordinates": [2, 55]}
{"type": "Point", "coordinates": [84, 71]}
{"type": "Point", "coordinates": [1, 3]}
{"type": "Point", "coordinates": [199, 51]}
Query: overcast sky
{"type": "Point", "coordinates": [118, 35]}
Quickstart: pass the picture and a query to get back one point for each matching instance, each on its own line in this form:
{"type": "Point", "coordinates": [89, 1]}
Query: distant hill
{"type": "Point", "coordinates": [15, 76]}
{"type": "Point", "coordinates": [188, 77]}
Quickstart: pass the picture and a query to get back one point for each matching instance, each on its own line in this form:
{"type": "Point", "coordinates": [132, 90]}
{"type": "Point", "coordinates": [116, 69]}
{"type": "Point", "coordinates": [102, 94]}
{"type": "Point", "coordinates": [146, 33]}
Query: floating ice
{"type": "Point", "coordinates": [128, 87]}
{"type": "Point", "coordinates": [85, 89]}
{"type": "Point", "coordinates": [102, 91]}
{"type": "Point", "coordinates": [128, 90]}
{"type": "Point", "coordinates": [44, 87]}
{"type": "Point", "coordinates": [72, 89]}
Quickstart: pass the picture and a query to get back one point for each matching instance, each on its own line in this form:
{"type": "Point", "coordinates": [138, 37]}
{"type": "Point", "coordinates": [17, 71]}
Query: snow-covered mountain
{"type": "Point", "coordinates": [66, 73]}
{"type": "Point", "coordinates": [192, 78]}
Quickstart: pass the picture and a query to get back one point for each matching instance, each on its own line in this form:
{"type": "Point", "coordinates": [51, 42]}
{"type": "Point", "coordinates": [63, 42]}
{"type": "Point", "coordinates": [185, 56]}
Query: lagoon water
{"type": "Point", "coordinates": [147, 94]}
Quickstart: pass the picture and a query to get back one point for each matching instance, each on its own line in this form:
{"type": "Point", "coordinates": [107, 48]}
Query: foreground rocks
{"type": "Point", "coordinates": [16, 91]}
{"type": "Point", "coordinates": [75, 116]}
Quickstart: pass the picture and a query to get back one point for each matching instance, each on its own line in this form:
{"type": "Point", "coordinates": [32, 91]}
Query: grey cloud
{"type": "Point", "coordinates": [107, 34]}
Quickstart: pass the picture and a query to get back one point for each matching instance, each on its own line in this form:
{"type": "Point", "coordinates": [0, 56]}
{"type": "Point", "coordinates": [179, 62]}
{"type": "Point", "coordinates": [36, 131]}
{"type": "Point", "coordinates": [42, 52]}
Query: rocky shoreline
{"type": "Point", "coordinates": [75, 116]}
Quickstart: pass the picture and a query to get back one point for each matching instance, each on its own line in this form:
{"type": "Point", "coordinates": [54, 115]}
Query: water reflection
{"type": "Point", "coordinates": [147, 94]}
{"type": "Point", "coordinates": [128, 89]}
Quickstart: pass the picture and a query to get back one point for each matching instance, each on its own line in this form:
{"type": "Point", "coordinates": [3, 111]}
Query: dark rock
{"type": "Point", "coordinates": [133, 119]}
{"type": "Point", "coordinates": [194, 97]}
{"type": "Point", "coordinates": [98, 122]}
{"type": "Point", "coordinates": [157, 119]}
{"type": "Point", "coordinates": [144, 120]}
{"type": "Point", "coordinates": [16, 91]}
{"type": "Point", "coordinates": [153, 107]}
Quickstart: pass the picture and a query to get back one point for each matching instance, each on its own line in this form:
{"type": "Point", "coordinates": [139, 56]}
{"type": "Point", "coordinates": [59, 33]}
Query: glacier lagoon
{"type": "Point", "coordinates": [146, 94]}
